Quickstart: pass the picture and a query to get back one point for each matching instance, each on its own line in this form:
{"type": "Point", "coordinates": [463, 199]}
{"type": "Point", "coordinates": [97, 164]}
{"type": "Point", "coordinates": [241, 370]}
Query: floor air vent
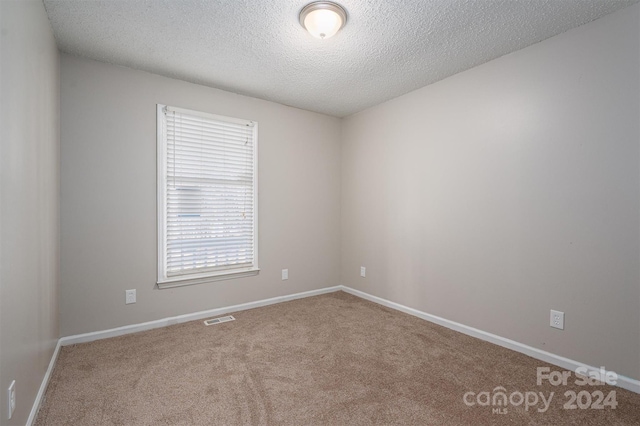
{"type": "Point", "coordinates": [213, 321]}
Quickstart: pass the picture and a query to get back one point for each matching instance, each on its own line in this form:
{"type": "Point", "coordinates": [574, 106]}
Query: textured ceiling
{"type": "Point", "coordinates": [258, 48]}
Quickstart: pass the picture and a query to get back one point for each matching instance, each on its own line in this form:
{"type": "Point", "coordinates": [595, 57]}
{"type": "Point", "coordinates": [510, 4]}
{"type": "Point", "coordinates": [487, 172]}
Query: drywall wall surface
{"type": "Point", "coordinates": [108, 206]}
{"type": "Point", "coordinates": [29, 201]}
{"type": "Point", "coordinates": [508, 190]}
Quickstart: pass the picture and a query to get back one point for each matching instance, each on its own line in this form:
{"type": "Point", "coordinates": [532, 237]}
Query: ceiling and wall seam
{"type": "Point", "coordinates": [259, 49]}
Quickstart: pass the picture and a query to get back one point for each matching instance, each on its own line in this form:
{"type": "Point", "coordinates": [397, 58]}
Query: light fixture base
{"type": "Point", "coordinates": [323, 6]}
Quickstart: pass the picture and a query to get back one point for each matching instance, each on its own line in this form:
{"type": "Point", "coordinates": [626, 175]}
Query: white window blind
{"type": "Point", "coordinates": [207, 212]}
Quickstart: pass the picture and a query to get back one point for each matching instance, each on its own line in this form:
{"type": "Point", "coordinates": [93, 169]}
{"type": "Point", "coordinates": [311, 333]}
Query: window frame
{"type": "Point", "coordinates": [163, 280]}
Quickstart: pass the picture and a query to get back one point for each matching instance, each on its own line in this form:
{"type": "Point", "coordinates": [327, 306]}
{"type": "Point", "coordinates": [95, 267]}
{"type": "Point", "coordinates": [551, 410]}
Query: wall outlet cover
{"type": "Point", "coordinates": [557, 319]}
{"type": "Point", "coordinates": [285, 274]}
{"type": "Point", "coordinates": [130, 297]}
{"type": "Point", "coordinates": [11, 399]}
{"type": "Point", "coordinates": [363, 271]}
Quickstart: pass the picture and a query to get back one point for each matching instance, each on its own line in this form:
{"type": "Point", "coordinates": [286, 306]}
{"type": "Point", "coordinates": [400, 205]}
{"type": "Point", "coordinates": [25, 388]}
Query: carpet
{"type": "Point", "coordinates": [333, 359]}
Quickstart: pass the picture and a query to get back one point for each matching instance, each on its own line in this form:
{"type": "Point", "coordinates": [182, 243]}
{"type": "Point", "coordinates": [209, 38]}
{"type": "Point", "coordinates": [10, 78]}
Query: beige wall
{"type": "Point", "coordinates": [108, 178]}
{"type": "Point", "coordinates": [508, 190]}
{"type": "Point", "coordinates": [29, 201]}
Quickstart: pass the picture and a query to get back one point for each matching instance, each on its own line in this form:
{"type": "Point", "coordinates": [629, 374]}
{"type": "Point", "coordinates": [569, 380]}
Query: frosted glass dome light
{"type": "Point", "coordinates": [323, 19]}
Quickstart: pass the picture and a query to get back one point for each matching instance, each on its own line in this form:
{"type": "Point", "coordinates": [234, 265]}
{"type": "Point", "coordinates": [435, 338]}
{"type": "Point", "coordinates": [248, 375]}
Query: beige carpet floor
{"type": "Point", "coordinates": [333, 359]}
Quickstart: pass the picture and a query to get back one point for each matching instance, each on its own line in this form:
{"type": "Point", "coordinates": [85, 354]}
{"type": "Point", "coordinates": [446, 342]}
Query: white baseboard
{"type": "Point", "coordinates": [569, 364]}
{"type": "Point", "coordinates": [566, 363]}
{"type": "Point", "coordinates": [43, 386]}
{"type": "Point", "coordinates": [134, 328]}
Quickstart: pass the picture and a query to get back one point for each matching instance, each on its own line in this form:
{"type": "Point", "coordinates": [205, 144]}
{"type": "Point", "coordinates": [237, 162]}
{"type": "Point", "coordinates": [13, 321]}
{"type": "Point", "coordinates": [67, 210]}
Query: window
{"type": "Point", "coordinates": [207, 197]}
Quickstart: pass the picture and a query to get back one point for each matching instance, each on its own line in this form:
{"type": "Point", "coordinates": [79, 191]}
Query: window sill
{"type": "Point", "coordinates": [184, 281]}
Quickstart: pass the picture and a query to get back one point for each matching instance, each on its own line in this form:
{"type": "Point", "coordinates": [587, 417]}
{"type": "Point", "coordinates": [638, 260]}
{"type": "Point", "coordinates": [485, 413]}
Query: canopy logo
{"type": "Point", "coordinates": [499, 400]}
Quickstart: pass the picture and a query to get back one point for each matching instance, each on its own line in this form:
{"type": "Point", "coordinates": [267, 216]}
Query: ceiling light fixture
{"type": "Point", "coordinates": [323, 19]}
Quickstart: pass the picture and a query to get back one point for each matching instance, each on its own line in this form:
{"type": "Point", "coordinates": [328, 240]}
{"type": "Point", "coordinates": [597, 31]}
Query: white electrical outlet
{"type": "Point", "coordinates": [130, 296]}
{"type": "Point", "coordinates": [11, 399]}
{"type": "Point", "coordinates": [557, 319]}
{"type": "Point", "coordinates": [363, 271]}
{"type": "Point", "coordinates": [285, 274]}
